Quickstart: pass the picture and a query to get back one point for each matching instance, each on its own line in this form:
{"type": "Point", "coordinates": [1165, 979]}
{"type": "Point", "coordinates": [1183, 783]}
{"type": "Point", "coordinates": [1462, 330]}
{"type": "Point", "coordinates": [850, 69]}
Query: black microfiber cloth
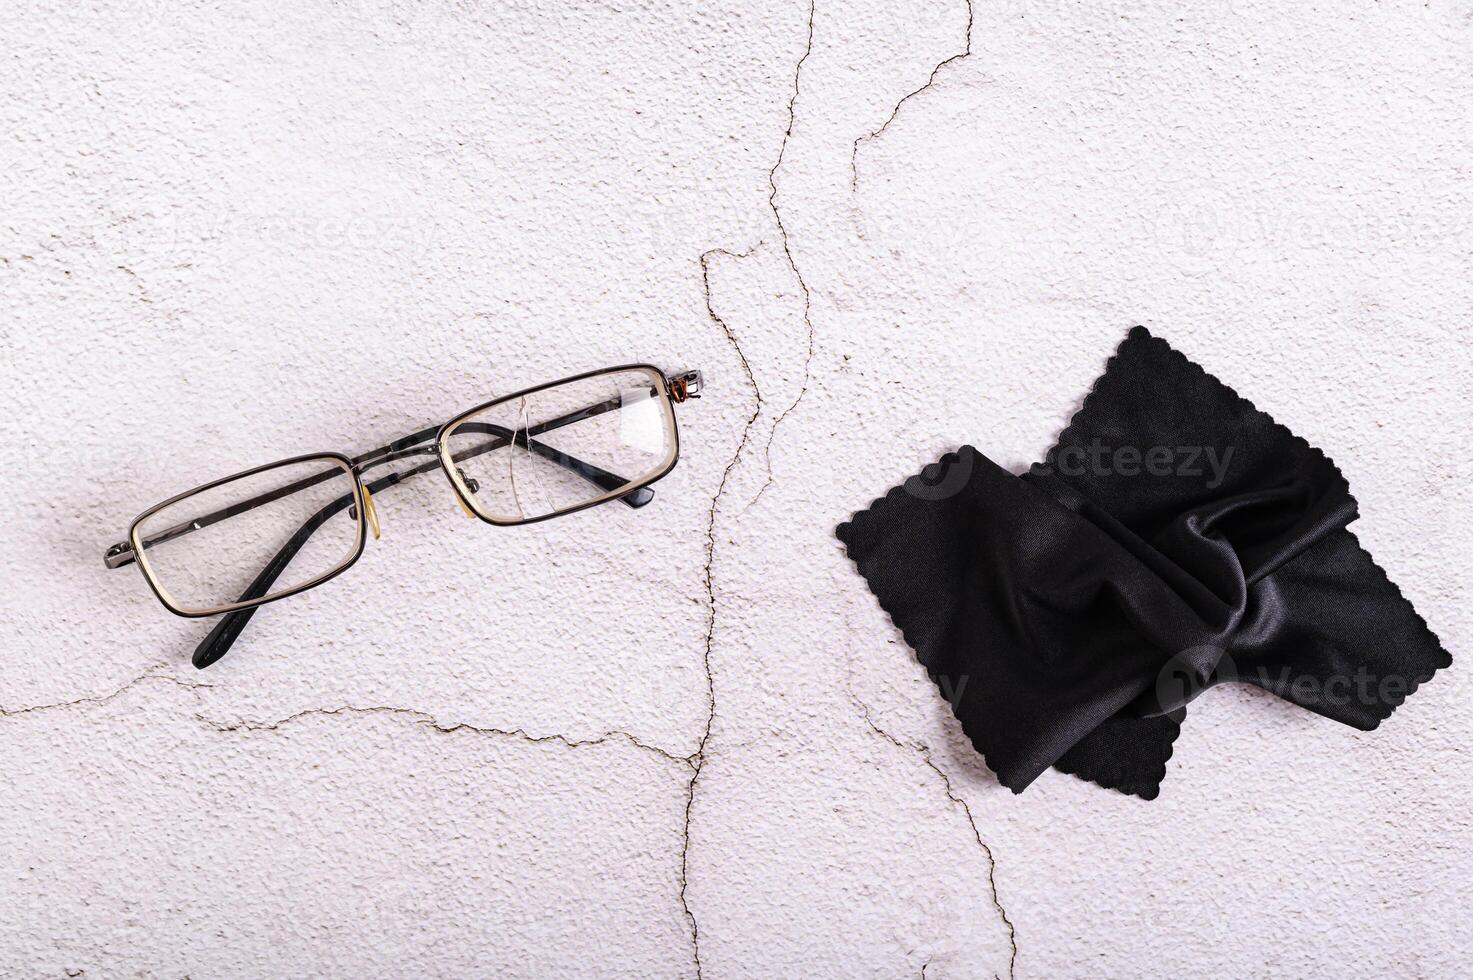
{"type": "Point", "coordinates": [1174, 538]}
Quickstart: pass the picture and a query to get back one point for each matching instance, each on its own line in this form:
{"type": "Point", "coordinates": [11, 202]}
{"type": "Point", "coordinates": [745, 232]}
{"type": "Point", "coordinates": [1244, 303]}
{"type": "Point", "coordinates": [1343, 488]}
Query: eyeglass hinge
{"type": "Point", "coordinates": [685, 385]}
{"type": "Point", "coordinates": [118, 555]}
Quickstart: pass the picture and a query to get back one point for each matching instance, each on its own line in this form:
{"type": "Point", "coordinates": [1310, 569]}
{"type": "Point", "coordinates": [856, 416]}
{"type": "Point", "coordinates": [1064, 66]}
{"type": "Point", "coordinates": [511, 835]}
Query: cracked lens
{"type": "Point", "coordinates": [511, 454]}
{"type": "Point", "coordinates": [567, 446]}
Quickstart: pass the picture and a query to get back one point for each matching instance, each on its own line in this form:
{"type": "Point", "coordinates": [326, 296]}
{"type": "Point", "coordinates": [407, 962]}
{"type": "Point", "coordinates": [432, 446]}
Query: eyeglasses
{"type": "Point", "coordinates": [233, 545]}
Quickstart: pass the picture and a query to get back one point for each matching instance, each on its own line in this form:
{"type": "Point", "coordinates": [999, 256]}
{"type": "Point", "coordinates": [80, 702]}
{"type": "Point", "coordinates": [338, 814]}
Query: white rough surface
{"type": "Point", "coordinates": [685, 740]}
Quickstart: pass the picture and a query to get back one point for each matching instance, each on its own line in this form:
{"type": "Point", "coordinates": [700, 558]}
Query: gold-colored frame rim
{"type": "Point", "coordinates": [149, 576]}
{"type": "Point", "coordinates": [467, 499]}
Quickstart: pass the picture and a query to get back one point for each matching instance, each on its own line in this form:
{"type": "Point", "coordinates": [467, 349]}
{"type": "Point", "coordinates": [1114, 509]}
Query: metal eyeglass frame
{"type": "Point", "coordinates": [433, 441]}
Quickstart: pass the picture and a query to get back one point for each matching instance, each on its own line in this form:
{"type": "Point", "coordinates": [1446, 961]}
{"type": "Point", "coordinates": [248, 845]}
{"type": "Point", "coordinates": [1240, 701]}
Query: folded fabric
{"type": "Point", "coordinates": [1174, 538]}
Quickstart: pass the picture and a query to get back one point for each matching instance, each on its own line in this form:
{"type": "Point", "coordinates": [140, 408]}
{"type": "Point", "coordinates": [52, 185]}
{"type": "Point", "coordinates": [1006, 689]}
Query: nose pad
{"type": "Point", "coordinates": [371, 512]}
{"type": "Point", "coordinates": [471, 486]}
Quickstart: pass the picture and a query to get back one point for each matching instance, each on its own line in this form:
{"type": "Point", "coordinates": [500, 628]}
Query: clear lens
{"type": "Point", "coordinates": [253, 536]}
{"type": "Point", "coordinates": [564, 447]}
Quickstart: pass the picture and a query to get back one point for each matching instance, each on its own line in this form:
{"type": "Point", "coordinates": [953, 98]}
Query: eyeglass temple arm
{"type": "Point", "coordinates": [122, 554]}
{"type": "Point", "coordinates": [224, 634]}
{"type": "Point", "coordinates": [219, 640]}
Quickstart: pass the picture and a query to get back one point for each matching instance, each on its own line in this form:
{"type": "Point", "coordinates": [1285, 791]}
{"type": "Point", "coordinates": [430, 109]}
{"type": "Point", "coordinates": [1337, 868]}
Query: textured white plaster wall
{"type": "Point", "coordinates": [684, 740]}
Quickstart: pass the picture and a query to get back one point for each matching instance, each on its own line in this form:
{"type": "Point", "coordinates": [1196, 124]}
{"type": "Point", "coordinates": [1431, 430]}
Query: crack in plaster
{"type": "Point", "coordinates": [782, 232]}
{"type": "Point", "coordinates": [925, 753]}
{"type": "Point", "coordinates": [151, 674]}
{"type": "Point", "coordinates": [423, 717]}
{"type": "Point", "coordinates": [876, 134]}
{"type": "Point", "coordinates": [697, 759]}
{"type": "Point", "coordinates": [427, 719]}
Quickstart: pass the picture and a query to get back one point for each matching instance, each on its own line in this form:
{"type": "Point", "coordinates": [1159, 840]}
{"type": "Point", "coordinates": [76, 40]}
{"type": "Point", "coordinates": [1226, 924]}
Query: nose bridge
{"type": "Point", "coordinates": [402, 451]}
{"type": "Point", "coordinates": [393, 453]}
